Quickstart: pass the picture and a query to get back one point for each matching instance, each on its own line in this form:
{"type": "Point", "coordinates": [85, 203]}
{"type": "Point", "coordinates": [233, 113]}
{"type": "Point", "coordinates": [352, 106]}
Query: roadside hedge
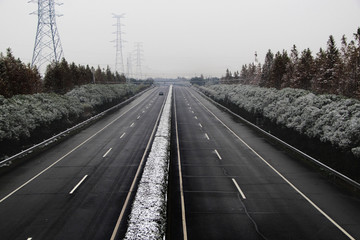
{"type": "Point", "coordinates": [28, 119]}
{"type": "Point", "coordinates": [327, 126]}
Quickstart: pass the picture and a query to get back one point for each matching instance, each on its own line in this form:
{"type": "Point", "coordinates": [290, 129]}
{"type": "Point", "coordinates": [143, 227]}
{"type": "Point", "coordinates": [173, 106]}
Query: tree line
{"type": "Point", "coordinates": [332, 71]}
{"type": "Point", "coordinates": [60, 77]}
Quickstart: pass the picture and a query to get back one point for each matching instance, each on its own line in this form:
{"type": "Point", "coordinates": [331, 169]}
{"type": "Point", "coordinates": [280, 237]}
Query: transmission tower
{"type": "Point", "coordinates": [129, 66]}
{"type": "Point", "coordinates": [47, 46]}
{"type": "Point", "coordinates": [119, 62]}
{"type": "Point", "coordinates": [138, 54]}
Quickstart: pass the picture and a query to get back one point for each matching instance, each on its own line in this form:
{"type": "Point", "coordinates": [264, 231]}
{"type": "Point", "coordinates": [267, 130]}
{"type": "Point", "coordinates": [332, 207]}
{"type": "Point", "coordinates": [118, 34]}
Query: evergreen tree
{"type": "Point", "coordinates": [278, 69]}
{"type": "Point", "coordinates": [16, 77]}
{"type": "Point", "coordinates": [244, 74]}
{"type": "Point", "coordinates": [266, 68]}
{"type": "Point", "coordinates": [99, 75]}
{"type": "Point", "coordinates": [304, 71]}
{"type": "Point", "coordinates": [228, 75]}
{"type": "Point", "coordinates": [109, 75]}
{"type": "Point", "coordinates": [352, 67]}
{"type": "Point", "coordinates": [319, 82]}
{"type": "Point", "coordinates": [289, 75]}
{"type": "Point", "coordinates": [334, 67]}
{"type": "Point", "coordinates": [58, 77]}
{"type": "Point", "coordinates": [258, 73]}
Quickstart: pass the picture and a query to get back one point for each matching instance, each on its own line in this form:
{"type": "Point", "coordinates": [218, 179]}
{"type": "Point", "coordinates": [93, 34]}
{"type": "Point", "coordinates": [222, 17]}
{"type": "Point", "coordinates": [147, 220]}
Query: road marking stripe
{"type": "Point", "coordinates": [131, 190]}
{"type": "Point", "coordinates": [200, 125]}
{"type": "Point", "coordinates": [107, 152]}
{"type": "Point", "coordinates": [67, 154]}
{"type": "Point", "coordinates": [238, 188]}
{"type": "Point", "coordinates": [122, 135]}
{"type": "Point", "coordinates": [207, 136]}
{"type": "Point", "coordinates": [29, 238]}
{"type": "Point", "coordinates": [132, 125]}
{"type": "Point", "coordinates": [183, 216]}
{"type": "Point", "coordinates": [138, 117]}
{"type": "Point", "coordinates": [218, 155]}
{"type": "Point", "coordinates": [196, 117]}
{"type": "Point", "coordinates": [278, 173]}
{"type": "Point", "coordinates": [143, 111]}
{"type": "Point", "coordinates": [77, 185]}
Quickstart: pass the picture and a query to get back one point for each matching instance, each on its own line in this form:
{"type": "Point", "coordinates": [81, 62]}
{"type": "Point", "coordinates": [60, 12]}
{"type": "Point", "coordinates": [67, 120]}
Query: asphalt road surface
{"type": "Point", "coordinates": [234, 184]}
{"type": "Point", "coordinates": [226, 181]}
{"type": "Point", "coordinates": [77, 189]}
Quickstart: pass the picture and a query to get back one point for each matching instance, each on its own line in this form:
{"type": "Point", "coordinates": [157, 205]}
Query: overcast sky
{"type": "Point", "coordinates": [182, 37]}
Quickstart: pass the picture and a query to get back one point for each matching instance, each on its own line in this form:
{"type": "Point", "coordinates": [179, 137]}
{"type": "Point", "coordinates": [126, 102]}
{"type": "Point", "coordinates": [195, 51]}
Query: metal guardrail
{"type": "Point", "coordinates": [288, 146]}
{"type": "Point", "coordinates": [7, 162]}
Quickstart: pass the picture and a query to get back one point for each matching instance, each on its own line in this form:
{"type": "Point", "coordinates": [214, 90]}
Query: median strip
{"type": "Point", "coordinates": [148, 214]}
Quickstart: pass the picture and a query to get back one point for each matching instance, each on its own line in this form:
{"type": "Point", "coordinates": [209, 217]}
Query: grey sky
{"type": "Point", "coordinates": [183, 37]}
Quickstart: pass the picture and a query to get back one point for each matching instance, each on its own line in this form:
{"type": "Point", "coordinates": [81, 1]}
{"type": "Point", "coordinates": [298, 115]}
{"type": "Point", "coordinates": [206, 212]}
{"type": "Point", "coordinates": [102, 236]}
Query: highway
{"type": "Point", "coordinates": [228, 182]}
{"type": "Point", "coordinates": [225, 181]}
{"type": "Point", "coordinates": [80, 188]}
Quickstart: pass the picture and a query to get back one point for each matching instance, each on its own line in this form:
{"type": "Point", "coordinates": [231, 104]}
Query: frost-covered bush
{"type": "Point", "coordinates": [329, 118]}
{"type": "Point", "coordinates": [22, 115]}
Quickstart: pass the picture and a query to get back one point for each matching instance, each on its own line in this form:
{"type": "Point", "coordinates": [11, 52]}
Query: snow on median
{"type": "Point", "coordinates": [148, 214]}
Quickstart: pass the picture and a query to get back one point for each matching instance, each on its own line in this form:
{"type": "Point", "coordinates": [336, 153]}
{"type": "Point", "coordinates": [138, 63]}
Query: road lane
{"type": "Point", "coordinates": [44, 209]}
{"type": "Point", "coordinates": [215, 209]}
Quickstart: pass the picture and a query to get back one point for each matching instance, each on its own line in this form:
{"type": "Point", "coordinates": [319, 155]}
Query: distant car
{"type": "Point", "coordinates": [161, 93]}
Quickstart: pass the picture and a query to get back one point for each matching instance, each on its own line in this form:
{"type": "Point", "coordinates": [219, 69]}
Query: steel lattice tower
{"type": "Point", "coordinates": [119, 62]}
{"type": "Point", "coordinates": [138, 54]}
{"type": "Point", "coordinates": [47, 46]}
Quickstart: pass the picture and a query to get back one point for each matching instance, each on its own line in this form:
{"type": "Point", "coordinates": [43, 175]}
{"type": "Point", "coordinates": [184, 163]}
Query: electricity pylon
{"type": "Point", "coordinates": [119, 61]}
{"type": "Point", "coordinates": [138, 54]}
{"type": "Point", "coordinates": [47, 47]}
{"type": "Point", "coordinates": [129, 66]}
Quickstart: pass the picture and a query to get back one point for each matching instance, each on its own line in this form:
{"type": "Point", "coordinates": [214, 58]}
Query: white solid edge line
{"type": "Point", "coordinates": [218, 155]}
{"type": "Point", "coordinates": [61, 158]}
{"type": "Point", "coordinates": [122, 135]}
{"type": "Point", "coordinates": [107, 152]}
{"type": "Point", "coordinates": [239, 189]}
{"type": "Point", "coordinates": [183, 215]}
{"type": "Point", "coordinates": [278, 173]}
{"type": "Point", "coordinates": [77, 185]}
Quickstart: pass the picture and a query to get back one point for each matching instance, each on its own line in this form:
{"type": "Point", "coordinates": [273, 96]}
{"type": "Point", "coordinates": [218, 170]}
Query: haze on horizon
{"type": "Point", "coordinates": [183, 37]}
